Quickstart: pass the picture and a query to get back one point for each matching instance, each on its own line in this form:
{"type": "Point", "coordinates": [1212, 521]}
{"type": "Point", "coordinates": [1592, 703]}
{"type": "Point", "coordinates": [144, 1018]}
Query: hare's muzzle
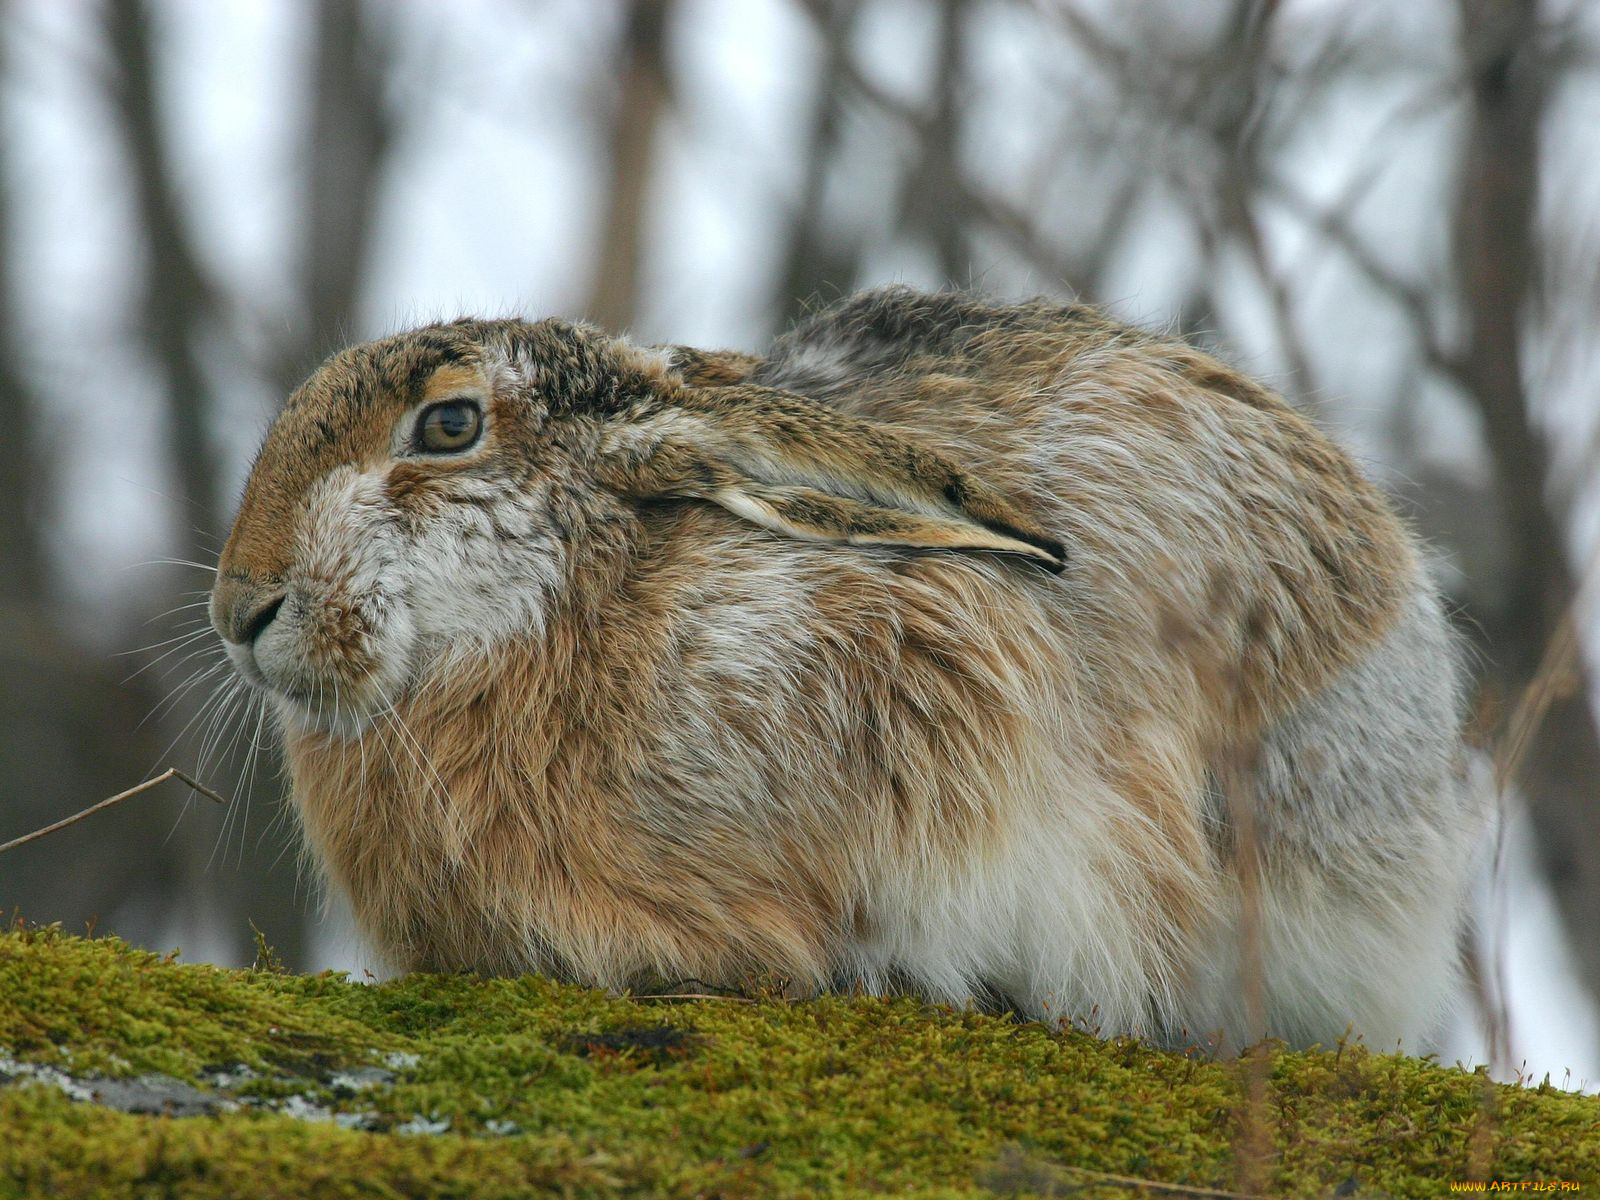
{"type": "Point", "coordinates": [331, 655]}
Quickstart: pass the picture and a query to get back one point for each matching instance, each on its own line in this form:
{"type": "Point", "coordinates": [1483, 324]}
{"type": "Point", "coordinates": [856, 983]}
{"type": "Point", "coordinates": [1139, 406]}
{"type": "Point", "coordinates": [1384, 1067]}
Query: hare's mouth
{"type": "Point", "coordinates": [328, 669]}
{"type": "Point", "coordinates": [335, 703]}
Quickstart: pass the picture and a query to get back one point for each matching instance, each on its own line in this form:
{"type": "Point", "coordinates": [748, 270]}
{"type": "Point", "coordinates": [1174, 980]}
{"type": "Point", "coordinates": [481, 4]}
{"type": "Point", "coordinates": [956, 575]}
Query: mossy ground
{"type": "Point", "coordinates": [542, 1088]}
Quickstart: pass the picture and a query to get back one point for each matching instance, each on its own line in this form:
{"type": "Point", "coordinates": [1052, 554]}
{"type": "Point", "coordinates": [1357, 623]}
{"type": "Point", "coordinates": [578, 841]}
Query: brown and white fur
{"type": "Point", "coordinates": [921, 654]}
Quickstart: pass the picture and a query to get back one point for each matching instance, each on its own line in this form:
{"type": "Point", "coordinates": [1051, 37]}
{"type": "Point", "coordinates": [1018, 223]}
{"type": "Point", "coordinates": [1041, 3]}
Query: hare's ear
{"type": "Point", "coordinates": [809, 471]}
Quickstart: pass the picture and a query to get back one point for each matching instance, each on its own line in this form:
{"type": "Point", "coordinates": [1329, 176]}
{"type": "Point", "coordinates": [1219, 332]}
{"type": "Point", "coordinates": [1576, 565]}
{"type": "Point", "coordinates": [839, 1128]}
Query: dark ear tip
{"type": "Point", "coordinates": [1052, 556]}
{"type": "Point", "coordinates": [1056, 563]}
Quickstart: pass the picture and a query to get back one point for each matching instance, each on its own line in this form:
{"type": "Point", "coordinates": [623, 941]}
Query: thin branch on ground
{"type": "Point", "coordinates": [169, 773]}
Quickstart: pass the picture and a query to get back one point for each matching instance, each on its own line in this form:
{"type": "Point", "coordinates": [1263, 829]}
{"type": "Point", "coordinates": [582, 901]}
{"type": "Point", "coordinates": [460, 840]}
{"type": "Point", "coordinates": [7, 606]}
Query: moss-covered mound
{"type": "Point", "coordinates": [126, 1073]}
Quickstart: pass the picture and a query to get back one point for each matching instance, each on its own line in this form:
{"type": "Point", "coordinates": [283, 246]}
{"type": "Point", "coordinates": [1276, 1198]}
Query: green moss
{"type": "Point", "coordinates": [545, 1088]}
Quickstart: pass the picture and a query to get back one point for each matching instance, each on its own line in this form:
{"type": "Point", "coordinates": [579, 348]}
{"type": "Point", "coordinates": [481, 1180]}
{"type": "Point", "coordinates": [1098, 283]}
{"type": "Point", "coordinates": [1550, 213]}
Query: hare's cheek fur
{"type": "Point", "coordinates": [390, 577]}
{"type": "Point", "coordinates": [340, 649]}
{"type": "Point", "coordinates": [481, 566]}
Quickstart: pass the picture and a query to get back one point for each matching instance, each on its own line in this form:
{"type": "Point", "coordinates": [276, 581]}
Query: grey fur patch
{"type": "Point", "coordinates": [1370, 766]}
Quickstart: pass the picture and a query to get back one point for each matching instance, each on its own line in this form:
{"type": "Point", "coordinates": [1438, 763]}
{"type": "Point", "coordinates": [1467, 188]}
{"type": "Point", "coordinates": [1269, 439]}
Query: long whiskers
{"type": "Point", "coordinates": [174, 562]}
{"type": "Point", "coordinates": [219, 666]}
{"type": "Point", "coordinates": [176, 644]}
{"type": "Point", "coordinates": [420, 760]}
{"type": "Point", "coordinates": [422, 764]}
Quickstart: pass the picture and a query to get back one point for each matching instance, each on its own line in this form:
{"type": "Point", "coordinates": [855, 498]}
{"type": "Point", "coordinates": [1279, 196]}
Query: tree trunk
{"type": "Point", "coordinates": [175, 297]}
{"type": "Point", "coordinates": [613, 301]}
{"type": "Point", "coordinates": [1496, 241]}
{"type": "Point", "coordinates": [347, 152]}
{"type": "Point", "coordinates": [816, 261]}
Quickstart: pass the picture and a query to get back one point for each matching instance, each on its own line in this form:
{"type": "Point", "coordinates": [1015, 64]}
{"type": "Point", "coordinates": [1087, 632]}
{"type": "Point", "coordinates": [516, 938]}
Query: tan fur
{"type": "Point", "coordinates": [447, 382]}
{"type": "Point", "coordinates": [757, 699]}
{"type": "Point", "coordinates": [1295, 568]}
{"type": "Point", "coordinates": [712, 368]}
{"type": "Point", "coordinates": [525, 831]}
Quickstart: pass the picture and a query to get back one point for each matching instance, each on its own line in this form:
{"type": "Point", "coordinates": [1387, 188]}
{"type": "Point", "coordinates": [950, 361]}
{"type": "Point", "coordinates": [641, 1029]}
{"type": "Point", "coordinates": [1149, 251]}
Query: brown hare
{"type": "Point", "coordinates": [953, 647]}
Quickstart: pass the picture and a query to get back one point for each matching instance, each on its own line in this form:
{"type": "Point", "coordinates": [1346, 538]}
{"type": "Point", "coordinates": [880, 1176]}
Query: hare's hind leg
{"type": "Point", "coordinates": [1367, 833]}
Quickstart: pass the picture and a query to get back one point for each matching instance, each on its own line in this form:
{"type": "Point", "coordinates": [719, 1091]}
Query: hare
{"type": "Point", "coordinates": [1003, 654]}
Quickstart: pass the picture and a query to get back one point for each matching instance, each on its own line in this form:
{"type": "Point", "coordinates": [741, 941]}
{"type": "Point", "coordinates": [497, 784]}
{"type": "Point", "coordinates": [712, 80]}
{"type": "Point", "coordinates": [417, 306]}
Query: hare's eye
{"type": "Point", "coordinates": [453, 425]}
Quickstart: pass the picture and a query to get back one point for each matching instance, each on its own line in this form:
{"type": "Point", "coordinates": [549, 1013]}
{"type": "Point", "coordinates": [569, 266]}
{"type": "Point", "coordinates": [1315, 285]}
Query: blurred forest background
{"type": "Point", "coordinates": [1391, 212]}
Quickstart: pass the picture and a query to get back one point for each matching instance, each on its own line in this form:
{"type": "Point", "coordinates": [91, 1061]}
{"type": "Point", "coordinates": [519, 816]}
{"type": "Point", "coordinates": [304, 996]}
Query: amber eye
{"type": "Point", "coordinates": [453, 425]}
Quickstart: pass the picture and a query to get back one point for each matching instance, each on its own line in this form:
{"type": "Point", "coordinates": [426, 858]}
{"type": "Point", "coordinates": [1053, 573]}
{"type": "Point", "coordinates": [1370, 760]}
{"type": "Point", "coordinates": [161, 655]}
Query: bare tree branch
{"type": "Point", "coordinates": [1241, 77]}
{"type": "Point", "coordinates": [25, 470]}
{"type": "Point", "coordinates": [970, 203]}
{"type": "Point", "coordinates": [1416, 302]}
{"type": "Point", "coordinates": [934, 192]}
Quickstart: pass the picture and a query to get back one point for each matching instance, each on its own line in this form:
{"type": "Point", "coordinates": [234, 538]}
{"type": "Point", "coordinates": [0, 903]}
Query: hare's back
{"type": "Point", "coordinates": [1195, 505]}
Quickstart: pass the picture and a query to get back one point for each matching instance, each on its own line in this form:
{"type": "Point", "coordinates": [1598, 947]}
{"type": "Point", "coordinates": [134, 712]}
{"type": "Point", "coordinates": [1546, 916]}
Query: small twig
{"type": "Point", "coordinates": [169, 773]}
{"type": "Point", "coordinates": [1558, 674]}
{"type": "Point", "coordinates": [1552, 680]}
{"type": "Point", "coordinates": [1155, 1185]}
{"type": "Point", "coordinates": [677, 997]}
{"type": "Point", "coordinates": [1013, 1167]}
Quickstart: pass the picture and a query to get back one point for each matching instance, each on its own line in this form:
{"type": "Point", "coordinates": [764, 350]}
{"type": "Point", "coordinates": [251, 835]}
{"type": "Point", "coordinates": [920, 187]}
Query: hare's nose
{"type": "Point", "coordinates": [251, 622]}
{"type": "Point", "coordinates": [241, 612]}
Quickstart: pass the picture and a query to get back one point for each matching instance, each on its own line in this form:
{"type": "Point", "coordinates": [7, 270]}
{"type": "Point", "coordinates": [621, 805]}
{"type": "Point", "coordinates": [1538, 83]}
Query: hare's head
{"type": "Point", "coordinates": [437, 492]}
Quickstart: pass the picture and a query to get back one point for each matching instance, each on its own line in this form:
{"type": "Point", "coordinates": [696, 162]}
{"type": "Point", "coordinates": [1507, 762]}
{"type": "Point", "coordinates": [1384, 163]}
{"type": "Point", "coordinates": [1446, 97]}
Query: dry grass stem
{"type": "Point", "coordinates": [1556, 676]}
{"type": "Point", "coordinates": [169, 773]}
{"type": "Point", "coordinates": [1014, 1170]}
